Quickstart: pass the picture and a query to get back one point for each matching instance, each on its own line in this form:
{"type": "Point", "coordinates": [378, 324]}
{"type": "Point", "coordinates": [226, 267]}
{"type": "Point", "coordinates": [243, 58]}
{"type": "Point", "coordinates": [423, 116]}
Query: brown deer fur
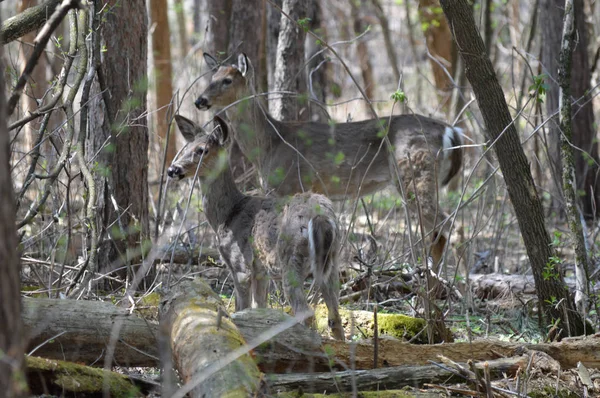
{"type": "Point", "coordinates": [259, 236]}
{"type": "Point", "coordinates": [340, 160]}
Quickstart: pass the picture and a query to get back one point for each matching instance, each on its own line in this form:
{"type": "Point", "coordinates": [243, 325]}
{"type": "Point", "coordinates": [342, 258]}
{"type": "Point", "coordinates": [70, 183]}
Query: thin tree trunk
{"type": "Point", "coordinates": [38, 83]}
{"type": "Point", "coordinates": [553, 299]}
{"type": "Point", "coordinates": [387, 39]}
{"type": "Point", "coordinates": [273, 23]}
{"type": "Point", "coordinates": [12, 378]}
{"type": "Point", "coordinates": [289, 63]}
{"type": "Point", "coordinates": [568, 162]}
{"type": "Point", "coordinates": [439, 43]}
{"type": "Point", "coordinates": [318, 65]}
{"type": "Point", "coordinates": [182, 28]}
{"type": "Point", "coordinates": [362, 51]}
{"type": "Point", "coordinates": [161, 53]}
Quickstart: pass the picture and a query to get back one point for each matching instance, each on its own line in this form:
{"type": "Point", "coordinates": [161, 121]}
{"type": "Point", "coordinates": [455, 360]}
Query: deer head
{"type": "Point", "coordinates": [228, 83]}
{"type": "Point", "coordinates": [203, 149]}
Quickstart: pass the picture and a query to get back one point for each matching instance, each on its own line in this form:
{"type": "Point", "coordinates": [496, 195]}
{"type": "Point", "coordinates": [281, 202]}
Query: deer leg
{"type": "Point", "coordinates": [420, 186]}
{"type": "Point", "coordinates": [260, 284]}
{"type": "Point", "coordinates": [330, 290]}
{"type": "Point", "coordinates": [293, 282]}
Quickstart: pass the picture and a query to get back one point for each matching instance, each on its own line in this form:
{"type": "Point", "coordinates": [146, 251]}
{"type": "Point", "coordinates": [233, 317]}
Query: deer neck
{"type": "Point", "coordinates": [252, 127]}
{"type": "Point", "coordinates": [220, 197]}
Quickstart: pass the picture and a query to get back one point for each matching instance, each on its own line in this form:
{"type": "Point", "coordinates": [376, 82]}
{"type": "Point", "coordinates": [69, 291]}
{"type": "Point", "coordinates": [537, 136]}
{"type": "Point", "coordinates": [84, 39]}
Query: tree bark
{"type": "Point", "coordinates": [244, 28]}
{"type": "Point", "coordinates": [584, 132]}
{"type": "Point", "coordinates": [28, 21]}
{"type": "Point", "coordinates": [441, 47]}
{"type": "Point", "coordinates": [273, 27]}
{"type": "Point", "coordinates": [554, 301]}
{"type": "Point", "coordinates": [182, 28]}
{"type": "Point", "coordinates": [217, 31]}
{"type": "Point", "coordinates": [318, 65]}
{"type": "Point", "coordinates": [38, 83]}
{"type": "Point", "coordinates": [568, 162]}
{"type": "Point", "coordinates": [12, 379]}
{"type": "Point", "coordinates": [161, 53]}
{"type": "Point", "coordinates": [362, 51]}
{"type": "Point", "coordinates": [289, 63]}
{"type": "Point", "coordinates": [387, 39]}
{"type": "Point", "coordinates": [118, 139]}
{"type": "Point", "coordinates": [201, 338]}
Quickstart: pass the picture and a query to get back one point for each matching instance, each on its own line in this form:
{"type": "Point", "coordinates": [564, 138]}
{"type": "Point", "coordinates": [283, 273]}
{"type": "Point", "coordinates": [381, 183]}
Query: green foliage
{"type": "Point", "coordinates": [399, 96]}
{"type": "Point", "coordinates": [539, 87]}
{"type": "Point", "coordinates": [551, 269]}
{"type": "Point", "coordinates": [304, 24]}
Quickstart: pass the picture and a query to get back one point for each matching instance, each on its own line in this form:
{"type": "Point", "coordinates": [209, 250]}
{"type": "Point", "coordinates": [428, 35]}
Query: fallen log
{"type": "Point", "coordinates": [85, 327]}
{"type": "Point", "coordinates": [201, 339]}
{"type": "Point", "coordinates": [385, 378]}
{"type": "Point", "coordinates": [61, 378]}
{"type": "Point", "coordinates": [80, 331]}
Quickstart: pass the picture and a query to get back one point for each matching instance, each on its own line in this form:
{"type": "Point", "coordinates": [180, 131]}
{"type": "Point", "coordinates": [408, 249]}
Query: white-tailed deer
{"type": "Point", "coordinates": [292, 237]}
{"type": "Point", "coordinates": [340, 160]}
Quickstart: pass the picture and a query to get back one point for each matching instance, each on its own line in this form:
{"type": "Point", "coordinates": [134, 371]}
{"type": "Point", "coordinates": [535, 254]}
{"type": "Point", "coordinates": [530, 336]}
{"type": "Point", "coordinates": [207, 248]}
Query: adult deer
{"type": "Point", "coordinates": [340, 160]}
{"type": "Point", "coordinates": [293, 237]}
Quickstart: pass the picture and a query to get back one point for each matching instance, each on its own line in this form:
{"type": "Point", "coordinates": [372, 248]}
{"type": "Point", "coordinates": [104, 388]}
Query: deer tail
{"type": "Point", "coordinates": [453, 153]}
{"type": "Point", "coordinates": [323, 246]}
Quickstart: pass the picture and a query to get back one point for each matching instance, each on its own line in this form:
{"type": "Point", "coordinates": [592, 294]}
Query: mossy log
{"type": "Point", "coordinates": [61, 378]}
{"type": "Point", "coordinates": [201, 338]}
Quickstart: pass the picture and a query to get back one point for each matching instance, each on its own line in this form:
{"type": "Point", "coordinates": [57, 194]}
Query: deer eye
{"type": "Point", "coordinates": [199, 151]}
{"type": "Point", "coordinates": [227, 81]}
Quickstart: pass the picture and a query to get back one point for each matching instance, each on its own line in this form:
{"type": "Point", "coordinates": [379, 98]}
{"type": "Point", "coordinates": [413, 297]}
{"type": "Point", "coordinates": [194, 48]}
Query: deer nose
{"type": "Point", "coordinates": [173, 171]}
{"type": "Point", "coordinates": [202, 103]}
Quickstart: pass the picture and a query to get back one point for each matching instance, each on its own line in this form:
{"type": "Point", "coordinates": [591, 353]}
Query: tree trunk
{"type": "Point", "coordinates": [201, 339]}
{"type": "Point", "coordinates": [441, 47]}
{"type": "Point", "coordinates": [568, 163]}
{"type": "Point", "coordinates": [12, 380]}
{"type": "Point", "coordinates": [273, 25]}
{"type": "Point", "coordinates": [317, 65]}
{"type": "Point", "coordinates": [182, 28]}
{"type": "Point", "coordinates": [244, 30]}
{"type": "Point", "coordinates": [387, 39]}
{"type": "Point", "coordinates": [118, 139]}
{"type": "Point", "coordinates": [161, 54]}
{"type": "Point", "coordinates": [554, 301]}
{"type": "Point", "coordinates": [362, 51]}
{"type": "Point", "coordinates": [584, 133]}
{"type": "Point", "coordinates": [217, 31]}
{"type": "Point", "coordinates": [38, 83]}
{"type": "Point", "coordinates": [289, 63]}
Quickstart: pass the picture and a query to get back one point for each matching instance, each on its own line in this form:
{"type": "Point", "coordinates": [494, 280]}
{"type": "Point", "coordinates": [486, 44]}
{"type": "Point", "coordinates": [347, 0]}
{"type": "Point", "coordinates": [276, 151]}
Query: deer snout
{"type": "Point", "coordinates": [175, 171]}
{"type": "Point", "coordinates": [202, 103]}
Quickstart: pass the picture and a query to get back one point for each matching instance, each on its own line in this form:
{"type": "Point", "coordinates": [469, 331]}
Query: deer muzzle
{"type": "Point", "coordinates": [202, 103]}
{"type": "Point", "coordinates": [175, 172]}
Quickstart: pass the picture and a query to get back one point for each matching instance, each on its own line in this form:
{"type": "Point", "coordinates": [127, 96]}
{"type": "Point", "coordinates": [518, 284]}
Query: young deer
{"type": "Point", "coordinates": [257, 235]}
{"type": "Point", "coordinates": [340, 160]}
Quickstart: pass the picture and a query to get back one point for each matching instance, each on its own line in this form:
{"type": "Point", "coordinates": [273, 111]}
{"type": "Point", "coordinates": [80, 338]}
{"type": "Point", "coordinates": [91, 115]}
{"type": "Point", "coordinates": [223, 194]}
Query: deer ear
{"type": "Point", "coordinates": [221, 131]}
{"type": "Point", "coordinates": [242, 64]}
{"type": "Point", "coordinates": [211, 62]}
{"type": "Point", "coordinates": [189, 130]}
